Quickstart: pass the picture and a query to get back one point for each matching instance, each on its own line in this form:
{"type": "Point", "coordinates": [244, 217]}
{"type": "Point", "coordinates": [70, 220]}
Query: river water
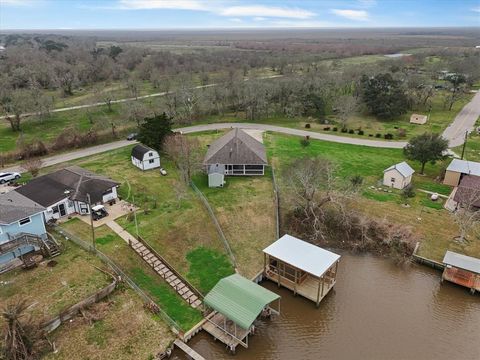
{"type": "Point", "coordinates": [376, 310]}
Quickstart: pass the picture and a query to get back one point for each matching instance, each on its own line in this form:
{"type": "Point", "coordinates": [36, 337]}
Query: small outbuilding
{"type": "Point", "coordinates": [216, 175]}
{"type": "Point", "coordinates": [418, 119]}
{"type": "Point", "coordinates": [145, 158]}
{"type": "Point", "coordinates": [462, 270]}
{"type": "Point", "coordinates": [237, 302]}
{"type": "Point", "coordinates": [305, 268]}
{"type": "Point", "coordinates": [458, 168]}
{"type": "Point", "coordinates": [398, 176]}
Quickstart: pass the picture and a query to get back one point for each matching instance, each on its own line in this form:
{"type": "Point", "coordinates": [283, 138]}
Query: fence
{"type": "Point", "coordinates": [119, 273]}
{"type": "Point", "coordinates": [277, 203]}
{"type": "Point", "coordinates": [216, 223]}
{"type": "Point", "coordinates": [73, 310]}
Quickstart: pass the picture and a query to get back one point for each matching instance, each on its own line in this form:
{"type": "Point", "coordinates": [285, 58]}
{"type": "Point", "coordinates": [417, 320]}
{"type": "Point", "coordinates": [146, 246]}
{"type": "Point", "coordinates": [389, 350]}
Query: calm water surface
{"type": "Point", "coordinates": [376, 311]}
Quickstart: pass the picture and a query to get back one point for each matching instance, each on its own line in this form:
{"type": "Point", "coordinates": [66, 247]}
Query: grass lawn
{"type": "Point", "coordinates": [127, 331]}
{"type": "Point", "coordinates": [118, 250]}
{"type": "Point", "coordinates": [52, 289]}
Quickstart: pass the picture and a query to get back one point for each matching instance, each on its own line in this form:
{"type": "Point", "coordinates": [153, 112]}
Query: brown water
{"type": "Point", "coordinates": [376, 311]}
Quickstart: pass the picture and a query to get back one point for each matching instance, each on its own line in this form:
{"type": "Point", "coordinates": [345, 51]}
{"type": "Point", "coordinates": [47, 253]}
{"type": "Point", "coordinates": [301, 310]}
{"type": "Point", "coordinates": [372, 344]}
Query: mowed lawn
{"type": "Point", "coordinates": [433, 224]}
{"type": "Point", "coordinates": [49, 290]}
{"type": "Point", "coordinates": [139, 271]}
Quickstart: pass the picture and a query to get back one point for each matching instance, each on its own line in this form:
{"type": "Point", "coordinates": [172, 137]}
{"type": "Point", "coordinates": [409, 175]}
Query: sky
{"type": "Point", "coordinates": [211, 14]}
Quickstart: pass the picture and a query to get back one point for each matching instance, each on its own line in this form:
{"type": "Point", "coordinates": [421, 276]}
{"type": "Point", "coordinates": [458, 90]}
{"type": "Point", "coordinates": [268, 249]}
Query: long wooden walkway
{"type": "Point", "coordinates": [188, 350]}
{"type": "Point", "coordinates": [166, 272]}
{"type": "Point", "coordinates": [159, 265]}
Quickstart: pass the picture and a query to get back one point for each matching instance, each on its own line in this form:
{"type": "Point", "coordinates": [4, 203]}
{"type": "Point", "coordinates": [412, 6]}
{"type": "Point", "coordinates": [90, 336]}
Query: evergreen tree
{"type": "Point", "coordinates": [154, 130]}
{"type": "Point", "coordinates": [426, 148]}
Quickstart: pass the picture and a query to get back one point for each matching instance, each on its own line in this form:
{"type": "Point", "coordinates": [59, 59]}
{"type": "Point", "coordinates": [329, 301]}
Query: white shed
{"type": "Point", "coordinates": [398, 176]}
{"type": "Point", "coordinates": [418, 119]}
{"type": "Point", "coordinates": [145, 158]}
{"type": "Point", "coordinates": [216, 175]}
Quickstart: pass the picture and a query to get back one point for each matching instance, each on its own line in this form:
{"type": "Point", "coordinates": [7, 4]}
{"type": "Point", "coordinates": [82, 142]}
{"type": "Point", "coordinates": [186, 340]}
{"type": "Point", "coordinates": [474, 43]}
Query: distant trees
{"type": "Point", "coordinates": [15, 104]}
{"type": "Point", "coordinates": [153, 130]}
{"type": "Point", "coordinates": [457, 89]}
{"type": "Point", "coordinates": [384, 96]}
{"type": "Point", "coordinates": [426, 148]}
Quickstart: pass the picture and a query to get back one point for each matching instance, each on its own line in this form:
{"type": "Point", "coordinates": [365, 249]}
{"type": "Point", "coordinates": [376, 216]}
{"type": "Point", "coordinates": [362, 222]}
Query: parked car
{"type": "Point", "coordinates": [163, 171]}
{"type": "Point", "coordinates": [132, 136]}
{"type": "Point", "coordinates": [99, 212]}
{"type": "Point", "coordinates": [9, 176]}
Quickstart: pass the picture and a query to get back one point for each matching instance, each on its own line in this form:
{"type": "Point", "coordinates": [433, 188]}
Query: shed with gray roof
{"type": "Point", "coordinates": [398, 176]}
{"type": "Point", "coordinates": [458, 168]}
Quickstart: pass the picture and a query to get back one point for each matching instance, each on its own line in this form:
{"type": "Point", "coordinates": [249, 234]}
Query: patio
{"type": "Point", "coordinates": [120, 208]}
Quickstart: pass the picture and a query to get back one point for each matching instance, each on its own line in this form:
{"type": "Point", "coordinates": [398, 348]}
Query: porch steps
{"type": "Point", "coordinates": [166, 273]}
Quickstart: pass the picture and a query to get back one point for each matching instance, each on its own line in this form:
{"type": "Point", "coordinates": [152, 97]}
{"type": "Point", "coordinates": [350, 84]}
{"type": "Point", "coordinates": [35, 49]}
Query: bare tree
{"type": "Point", "coordinates": [105, 96]}
{"type": "Point", "coordinates": [313, 188]}
{"type": "Point", "coordinates": [135, 111]}
{"type": "Point", "coordinates": [33, 166]}
{"type": "Point", "coordinates": [466, 216]}
{"type": "Point", "coordinates": [185, 153]}
{"type": "Point", "coordinates": [18, 103]}
{"type": "Point", "coordinates": [180, 190]}
{"type": "Point", "coordinates": [346, 106]}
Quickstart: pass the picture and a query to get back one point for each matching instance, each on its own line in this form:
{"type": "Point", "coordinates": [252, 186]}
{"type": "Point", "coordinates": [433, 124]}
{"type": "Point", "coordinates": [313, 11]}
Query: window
{"type": "Point", "coordinates": [70, 203]}
{"type": "Point", "coordinates": [150, 154]}
{"type": "Point", "coordinates": [109, 191]}
{"type": "Point", "coordinates": [392, 180]}
{"type": "Point", "coordinates": [24, 221]}
{"type": "Point", "coordinates": [55, 209]}
{"type": "Point", "coordinates": [151, 161]}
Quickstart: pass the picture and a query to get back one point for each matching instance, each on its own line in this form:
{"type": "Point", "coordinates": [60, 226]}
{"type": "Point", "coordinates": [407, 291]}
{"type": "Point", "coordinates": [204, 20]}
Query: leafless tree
{"type": "Point", "coordinates": [180, 190]}
{"type": "Point", "coordinates": [346, 106]}
{"type": "Point", "coordinates": [32, 165]}
{"type": "Point", "coordinates": [105, 96]}
{"type": "Point", "coordinates": [19, 102]}
{"type": "Point", "coordinates": [467, 216]}
{"type": "Point", "coordinates": [135, 111]}
{"type": "Point", "coordinates": [185, 152]}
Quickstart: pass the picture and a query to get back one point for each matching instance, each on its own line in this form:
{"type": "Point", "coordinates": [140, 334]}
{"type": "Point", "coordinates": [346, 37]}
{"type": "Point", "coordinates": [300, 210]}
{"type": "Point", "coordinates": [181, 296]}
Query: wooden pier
{"type": "Point", "coordinates": [188, 350]}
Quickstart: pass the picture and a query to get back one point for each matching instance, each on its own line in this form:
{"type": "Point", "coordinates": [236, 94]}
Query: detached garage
{"type": "Point", "coordinates": [145, 158]}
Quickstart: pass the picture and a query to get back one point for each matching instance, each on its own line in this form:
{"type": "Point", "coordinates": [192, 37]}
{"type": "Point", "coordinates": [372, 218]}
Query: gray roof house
{"type": "Point", "coordinates": [19, 217]}
{"type": "Point", "coordinates": [398, 176]}
{"type": "Point", "coordinates": [237, 153]}
{"type": "Point", "coordinates": [66, 191]}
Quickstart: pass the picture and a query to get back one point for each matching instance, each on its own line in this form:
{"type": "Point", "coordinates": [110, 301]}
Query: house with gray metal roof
{"type": "Point", "coordinates": [238, 153]}
{"type": "Point", "coordinates": [458, 168]}
{"type": "Point", "coordinates": [398, 176]}
{"type": "Point", "coordinates": [67, 191]}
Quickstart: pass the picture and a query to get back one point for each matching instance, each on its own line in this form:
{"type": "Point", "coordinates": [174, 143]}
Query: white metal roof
{"type": "Point", "coordinates": [462, 261]}
{"type": "Point", "coordinates": [302, 255]}
{"type": "Point", "coordinates": [464, 167]}
{"type": "Point", "coordinates": [403, 168]}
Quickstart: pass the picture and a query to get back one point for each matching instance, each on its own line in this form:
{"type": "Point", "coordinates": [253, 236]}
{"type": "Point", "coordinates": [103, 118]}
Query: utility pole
{"type": "Point", "coordinates": [464, 143]}
{"type": "Point", "coordinates": [91, 221]}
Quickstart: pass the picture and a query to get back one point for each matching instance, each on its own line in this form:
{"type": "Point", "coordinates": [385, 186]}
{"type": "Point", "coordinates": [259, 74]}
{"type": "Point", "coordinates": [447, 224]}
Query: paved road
{"type": "Point", "coordinates": [77, 154]}
{"type": "Point", "coordinates": [464, 121]}
{"type": "Point", "coordinates": [289, 131]}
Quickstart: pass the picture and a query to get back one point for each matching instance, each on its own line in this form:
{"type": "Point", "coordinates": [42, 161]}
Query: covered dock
{"type": "Point", "coordinates": [237, 302]}
{"type": "Point", "coordinates": [462, 270]}
{"type": "Point", "coordinates": [304, 268]}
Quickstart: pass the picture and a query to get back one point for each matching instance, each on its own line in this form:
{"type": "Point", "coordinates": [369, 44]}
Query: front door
{"type": "Point", "coordinates": [61, 209]}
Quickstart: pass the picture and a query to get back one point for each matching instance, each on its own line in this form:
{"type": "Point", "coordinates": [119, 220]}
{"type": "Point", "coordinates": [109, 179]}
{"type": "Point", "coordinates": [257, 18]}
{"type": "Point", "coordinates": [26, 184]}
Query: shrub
{"type": "Point", "coordinates": [408, 192]}
{"type": "Point", "coordinates": [327, 128]}
{"type": "Point", "coordinates": [356, 181]}
{"type": "Point", "coordinates": [351, 131]}
{"type": "Point", "coordinates": [361, 132]}
{"type": "Point", "coordinates": [370, 135]}
{"type": "Point", "coordinates": [378, 135]}
{"type": "Point", "coordinates": [335, 129]}
{"type": "Point", "coordinates": [304, 142]}
{"type": "Point", "coordinates": [388, 136]}
{"type": "Point", "coordinates": [307, 126]}
{"type": "Point", "coordinates": [344, 130]}
{"type": "Point", "coordinates": [401, 133]}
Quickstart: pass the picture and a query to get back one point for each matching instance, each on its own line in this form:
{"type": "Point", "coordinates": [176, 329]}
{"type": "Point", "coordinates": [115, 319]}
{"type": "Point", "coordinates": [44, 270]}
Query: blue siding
{"type": "Point", "coordinates": [36, 226]}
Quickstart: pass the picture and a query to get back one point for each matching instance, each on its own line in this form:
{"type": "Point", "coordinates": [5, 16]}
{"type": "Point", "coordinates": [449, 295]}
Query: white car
{"type": "Point", "coordinates": [9, 176]}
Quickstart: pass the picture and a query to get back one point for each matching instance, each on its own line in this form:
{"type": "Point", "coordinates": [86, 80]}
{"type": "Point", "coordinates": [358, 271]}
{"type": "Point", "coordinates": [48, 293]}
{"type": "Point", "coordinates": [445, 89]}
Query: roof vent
{"type": "Point", "coordinates": [66, 192]}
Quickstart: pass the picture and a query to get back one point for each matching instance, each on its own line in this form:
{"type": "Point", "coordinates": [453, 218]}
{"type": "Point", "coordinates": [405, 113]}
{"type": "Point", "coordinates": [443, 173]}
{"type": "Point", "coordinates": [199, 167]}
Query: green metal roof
{"type": "Point", "coordinates": [239, 299]}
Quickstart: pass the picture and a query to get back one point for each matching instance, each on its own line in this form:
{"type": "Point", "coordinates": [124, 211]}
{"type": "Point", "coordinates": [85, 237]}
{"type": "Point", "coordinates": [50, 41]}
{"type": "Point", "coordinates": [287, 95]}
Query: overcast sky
{"type": "Point", "coordinates": [169, 14]}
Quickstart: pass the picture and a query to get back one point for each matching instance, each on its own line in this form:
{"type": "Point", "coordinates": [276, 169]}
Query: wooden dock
{"type": "Point", "coordinates": [188, 350]}
{"type": "Point", "coordinates": [232, 339]}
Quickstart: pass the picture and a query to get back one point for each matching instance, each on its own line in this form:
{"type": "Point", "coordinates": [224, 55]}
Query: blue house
{"type": "Point", "coordinates": [22, 226]}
